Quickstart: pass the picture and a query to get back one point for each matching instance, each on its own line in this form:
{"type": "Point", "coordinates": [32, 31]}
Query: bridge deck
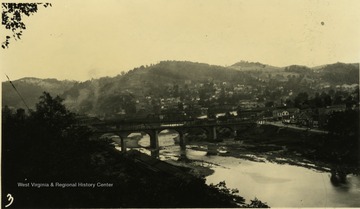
{"type": "Point", "coordinates": [121, 126]}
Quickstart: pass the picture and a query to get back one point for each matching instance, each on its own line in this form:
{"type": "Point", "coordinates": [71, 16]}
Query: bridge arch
{"type": "Point", "coordinates": [169, 141]}
{"type": "Point", "coordinates": [169, 136]}
{"type": "Point", "coordinates": [206, 130]}
{"type": "Point", "coordinates": [196, 133]}
{"type": "Point", "coordinates": [138, 139]}
{"type": "Point", "coordinates": [226, 131]}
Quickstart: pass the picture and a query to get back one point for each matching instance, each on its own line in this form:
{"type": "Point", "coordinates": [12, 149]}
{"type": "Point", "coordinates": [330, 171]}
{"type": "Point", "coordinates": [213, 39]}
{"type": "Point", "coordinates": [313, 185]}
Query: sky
{"type": "Point", "coordinates": [80, 40]}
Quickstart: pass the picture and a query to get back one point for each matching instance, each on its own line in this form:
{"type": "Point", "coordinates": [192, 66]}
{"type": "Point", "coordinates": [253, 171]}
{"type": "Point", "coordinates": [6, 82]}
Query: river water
{"type": "Point", "coordinates": [279, 185]}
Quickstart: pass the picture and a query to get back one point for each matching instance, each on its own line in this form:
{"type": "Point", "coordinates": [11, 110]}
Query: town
{"type": "Point", "coordinates": [210, 100]}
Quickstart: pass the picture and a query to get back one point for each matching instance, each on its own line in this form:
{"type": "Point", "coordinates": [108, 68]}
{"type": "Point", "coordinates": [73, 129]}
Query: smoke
{"type": "Point", "coordinates": [83, 95]}
{"type": "Point", "coordinates": [95, 86]}
{"type": "Point", "coordinates": [96, 90]}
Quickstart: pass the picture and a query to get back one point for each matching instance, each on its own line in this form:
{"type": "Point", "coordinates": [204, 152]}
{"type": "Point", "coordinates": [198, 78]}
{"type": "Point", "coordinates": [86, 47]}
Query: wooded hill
{"type": "Point", "coordinates": [94, 95]}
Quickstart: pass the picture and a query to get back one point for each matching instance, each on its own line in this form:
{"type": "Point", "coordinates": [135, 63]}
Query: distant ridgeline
{"type": "Point", "coordinates": [173, 86]}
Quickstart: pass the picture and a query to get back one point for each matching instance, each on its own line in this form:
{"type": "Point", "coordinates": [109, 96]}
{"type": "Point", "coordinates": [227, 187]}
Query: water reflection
{"type": "Point", "coordinates": [285, 185]}
{"type": "Point", "coordinates": [338, 176]}
{"type": "Point", "coordinates": [278, 185]}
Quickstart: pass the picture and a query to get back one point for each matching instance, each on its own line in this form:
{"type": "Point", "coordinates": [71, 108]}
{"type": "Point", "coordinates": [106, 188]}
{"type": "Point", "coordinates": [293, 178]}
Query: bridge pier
{"type": "Point", "coordinates": [212, 133]}
{"type": "Point", "coordinates": [182, 145]}
{"type": "Point", "coordinates": [122, 140]}
{"type": "Point", "coordinates": [154, 143]}
{"type": "Point", "coordinates": [234, 131]}
{"type": "Point", "coordinates": [123, 145]}
{"type": "Point", "coordinates": [153, 128]}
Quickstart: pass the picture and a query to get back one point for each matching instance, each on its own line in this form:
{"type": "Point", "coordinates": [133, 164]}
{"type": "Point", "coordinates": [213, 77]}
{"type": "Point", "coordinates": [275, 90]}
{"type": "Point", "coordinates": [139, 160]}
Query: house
{"type": "Point", "coordinates": [290, 117]}
{"type": "Point", "coordinates": [268, 114]}
{"type": "Point", "coordinates": [285, 114]}
{"type": "Point", "coordinates": [261, 122]}
{"type": "Point", "coordinates": [307, 118]}
{"type": "Point", "coordinates": [187, 82]}
{"type": "Point", "coordinates": [336, 108]}
{"type": "Point", "coordinates": [278, 114]}
{"type": "Point", "coordinates": [250, 114]}
{"type": "Point", "coordinates": [121, 112]}
{"type": "Point", "coordinates": [247, 104]}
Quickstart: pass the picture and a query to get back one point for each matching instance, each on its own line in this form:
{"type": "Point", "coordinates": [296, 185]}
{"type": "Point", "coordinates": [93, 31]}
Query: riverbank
{"type": "Point", "coordinates": [263, 158]}
{"type": "Point", "coordinates": [281, 145]}
{"type": "Point", "coordinates": [300, 147]}
{"type": "Point", "coordinates": [264, 143]}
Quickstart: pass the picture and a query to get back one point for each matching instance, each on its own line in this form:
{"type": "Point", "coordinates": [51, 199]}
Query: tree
{"type": "Point", "coordinates": [343, 143]}
{"type": "Point", "coordinates": [326, 98]}
{"type": "Point", "coordinates": [231, 195]}
{"type": "Point", "coordinates": [6, 114]}
{"type": "Point", "coordinates": [316, 102]}
{"type": "Point", "coordinates": [269, 104]}
{"type": "Point", "coordinates": [289, 103]}
{"type": "Point", "coordinates": [51, 113]}
{"type": "Point", "coordinates": [20, 114]}
{"type": "Point", "coordinates": [180, 106]}
{"type": "Point", "coordinates": [12, 18]}
{"type": "Point", "coordinates": [301, 99]}
{"type": "Point", "coordinates": [222, 96]}
{"type": "Point", "coordinates": [344, 123]}
{"type": "Point", "coordinates": [175, 91]}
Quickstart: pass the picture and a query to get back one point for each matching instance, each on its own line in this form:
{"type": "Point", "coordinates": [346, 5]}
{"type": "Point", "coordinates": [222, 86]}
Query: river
{"type": "Point", "coordinates": [279, 185]}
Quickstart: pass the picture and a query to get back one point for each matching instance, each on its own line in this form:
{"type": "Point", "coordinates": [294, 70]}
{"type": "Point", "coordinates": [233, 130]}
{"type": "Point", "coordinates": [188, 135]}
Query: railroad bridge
{"type": "Point", "coordinates": [123, 129]}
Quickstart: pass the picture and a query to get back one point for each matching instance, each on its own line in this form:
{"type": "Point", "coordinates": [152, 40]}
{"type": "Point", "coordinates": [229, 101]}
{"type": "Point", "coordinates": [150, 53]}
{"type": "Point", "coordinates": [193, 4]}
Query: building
{"type": "Point", "coordinates": [287, 114]}
{"type": "Point", "coordinates": [247, 104]}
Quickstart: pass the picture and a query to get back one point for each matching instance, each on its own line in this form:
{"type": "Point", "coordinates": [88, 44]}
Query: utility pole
{"type": "Point", "coordinates": [18, 93]}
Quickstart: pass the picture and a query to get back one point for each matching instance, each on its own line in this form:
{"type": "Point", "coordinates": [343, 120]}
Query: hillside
{"type": "Point", "coordinates": [332, 74]}
{"type": "Point", "coordinates": [168, 78]}
{"type": "Point", "coordinates": [262, 71]}
{"type": "Point", "coordinates": [339, 73]}
{"type": "Point", "coordinates": [253, 66]}
{"type": "Point", "coordinates": [31, 89]}
{"type": "Point", "coordinates": [113, 94]}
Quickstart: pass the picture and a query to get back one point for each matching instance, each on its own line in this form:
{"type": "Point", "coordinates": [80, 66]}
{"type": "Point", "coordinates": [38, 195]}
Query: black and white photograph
{"type": "Point", "coordinates": [180, 104]}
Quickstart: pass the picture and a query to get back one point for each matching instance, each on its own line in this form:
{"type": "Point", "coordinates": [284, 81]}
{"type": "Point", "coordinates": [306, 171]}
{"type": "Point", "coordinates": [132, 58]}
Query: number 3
{"type": "Point", "coordinates": [10, 199]}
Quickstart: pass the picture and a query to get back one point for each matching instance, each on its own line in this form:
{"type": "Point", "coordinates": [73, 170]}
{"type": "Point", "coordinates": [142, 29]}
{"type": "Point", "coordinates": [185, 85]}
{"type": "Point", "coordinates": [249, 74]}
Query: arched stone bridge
{"type": "Point", "coordinates": [123, 129]}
